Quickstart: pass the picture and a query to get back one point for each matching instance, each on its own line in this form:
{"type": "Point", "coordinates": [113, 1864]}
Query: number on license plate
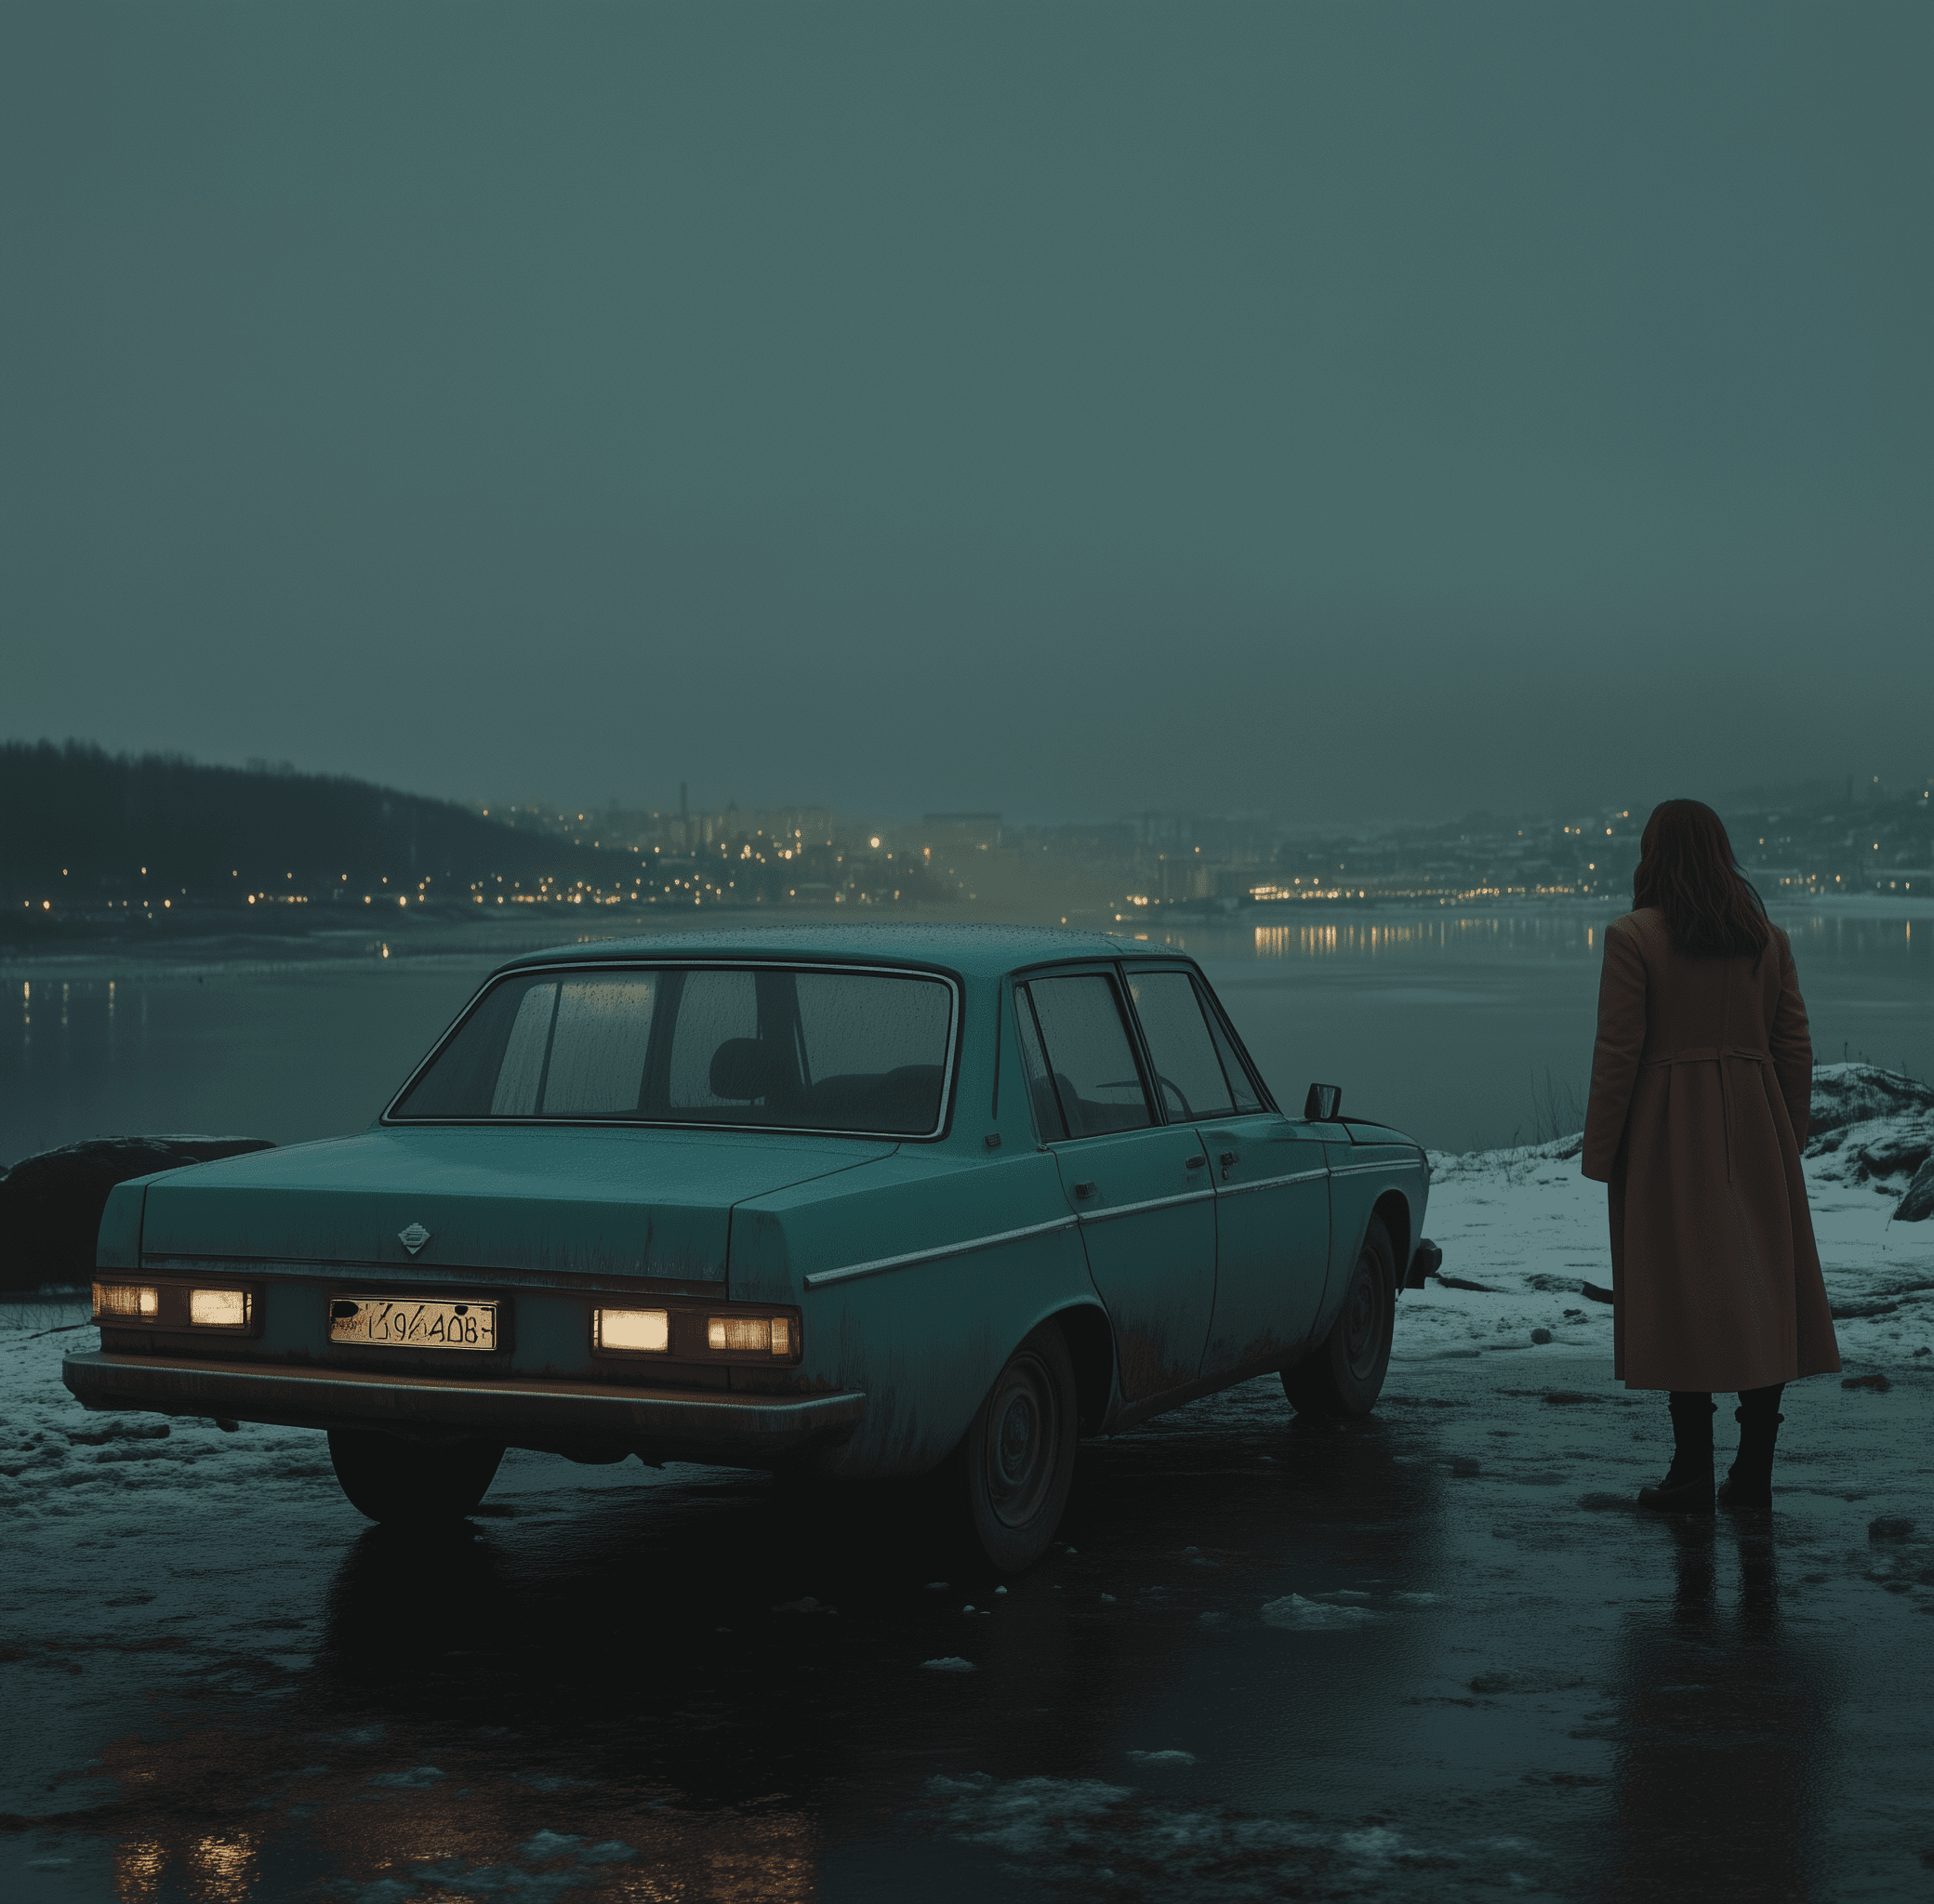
{"type": "Point", "coordinates": [403, 1322]}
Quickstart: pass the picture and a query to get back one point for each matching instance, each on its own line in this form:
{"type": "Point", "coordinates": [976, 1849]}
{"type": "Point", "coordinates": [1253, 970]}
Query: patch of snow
{"type": "Point", "coordinates": [1377, 1845]}
{"type": "Point", "coordinates": [1313, 1616]}
{"type": "Point", "coordinates": [549, 1844]}
{"type": "Point", "coordinates": [58, 1463]}
{"type": "Point", "coordinates": [1163, 1758]}
{"type": "Point", "coordinates": [1525, 1223]}
{"type": "Point", "coordinates": [952, 1663]}
{"type": "Point", "coordinates": [1087, 1838]}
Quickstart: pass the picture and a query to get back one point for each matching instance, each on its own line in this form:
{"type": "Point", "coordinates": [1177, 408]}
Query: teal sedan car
{"type": "Point", "coordinates": [862, 1201]}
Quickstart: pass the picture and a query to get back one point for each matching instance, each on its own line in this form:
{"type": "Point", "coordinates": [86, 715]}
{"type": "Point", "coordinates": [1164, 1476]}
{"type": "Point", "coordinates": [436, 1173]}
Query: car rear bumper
{"type": "Point", "coordinates": [727, 1429]}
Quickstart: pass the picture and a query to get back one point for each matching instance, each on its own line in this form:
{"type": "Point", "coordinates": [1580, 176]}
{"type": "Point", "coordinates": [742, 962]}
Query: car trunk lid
{"type": "Point", "coordinates": [575, 1202]}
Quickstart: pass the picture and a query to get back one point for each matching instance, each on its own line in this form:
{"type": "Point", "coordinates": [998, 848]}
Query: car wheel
{"type": "Point", "coordinates": [1018, 1456]}
{"type": "Point", "coordinates": [1345, 1375]}
{"type": "Point", "coordinates": [404, 1483]}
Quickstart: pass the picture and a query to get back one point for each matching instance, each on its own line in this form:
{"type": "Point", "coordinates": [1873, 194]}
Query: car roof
{"type": "Point", "coordinates": [971, 950]}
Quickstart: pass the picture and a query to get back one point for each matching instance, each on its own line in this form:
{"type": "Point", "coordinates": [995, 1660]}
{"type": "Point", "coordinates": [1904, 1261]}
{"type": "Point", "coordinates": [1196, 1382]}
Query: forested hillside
{"type": "Point", "coordinates": [77, 821]}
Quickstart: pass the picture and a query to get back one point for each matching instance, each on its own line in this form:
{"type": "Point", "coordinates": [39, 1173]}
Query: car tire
{"type": "Point", "coordinates": [1016, 1462]}
{"type": "Point", "coordinates": [1345, 1375]}
{"type": "Point", "coordinates": [412, 1483]}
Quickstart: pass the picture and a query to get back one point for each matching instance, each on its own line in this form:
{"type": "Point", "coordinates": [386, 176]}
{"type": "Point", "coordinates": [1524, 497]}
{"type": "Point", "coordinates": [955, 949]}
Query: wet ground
{"type": "Point", "coordinates": [1431, 1654]}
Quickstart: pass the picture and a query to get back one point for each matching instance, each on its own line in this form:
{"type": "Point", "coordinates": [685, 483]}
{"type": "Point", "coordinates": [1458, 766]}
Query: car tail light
{"type": "Point", "coordinates": [636, 1331]}
{"type": "Point", "coordinates": [170, 1305]}
{"type": "Point", "coordinates": [687, 1333]}
{"type": "Point", "coordinates": [126, 1301]}
{"type": "Point", "coordinates": [756, 1335]}
{"type": "Point", "coordinates": [740, 1332]}
{"type": "Point", "coordinates": [217, 1308]}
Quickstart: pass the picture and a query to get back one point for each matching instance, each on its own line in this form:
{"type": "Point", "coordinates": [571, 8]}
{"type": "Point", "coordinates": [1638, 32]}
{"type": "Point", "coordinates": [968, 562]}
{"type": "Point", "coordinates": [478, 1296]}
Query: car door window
{"type": "Point", "coordinates": [1188, 1075]}
{"type": "Point", "coordinates": [1091, 1064]}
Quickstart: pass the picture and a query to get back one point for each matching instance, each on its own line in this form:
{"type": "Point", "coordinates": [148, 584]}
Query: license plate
{"type": "Point", "coordinates": [403, 1322]}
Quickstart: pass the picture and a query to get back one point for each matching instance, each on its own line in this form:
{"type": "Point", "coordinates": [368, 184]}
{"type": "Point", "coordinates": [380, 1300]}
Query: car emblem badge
{"type": "Point", "coordinates": [414, 1237]}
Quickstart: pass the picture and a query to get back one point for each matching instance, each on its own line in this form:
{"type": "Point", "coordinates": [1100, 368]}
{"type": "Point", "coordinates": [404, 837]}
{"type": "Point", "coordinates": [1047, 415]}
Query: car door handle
{"type": "Point", "coordinates": [1084, 1191]}
{"type": "Point", "coordinates": [1194, 1163]}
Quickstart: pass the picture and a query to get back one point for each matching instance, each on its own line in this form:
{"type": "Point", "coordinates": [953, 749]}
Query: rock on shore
{"type": "Point", "coordinates": [1877, 1127]}
{"type": "Point", "coordinates": [50, 1205]}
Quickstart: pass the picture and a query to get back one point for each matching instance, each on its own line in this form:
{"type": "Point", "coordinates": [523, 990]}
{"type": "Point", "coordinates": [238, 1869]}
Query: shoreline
{"type": "Point", "coordinates": [231, 943]}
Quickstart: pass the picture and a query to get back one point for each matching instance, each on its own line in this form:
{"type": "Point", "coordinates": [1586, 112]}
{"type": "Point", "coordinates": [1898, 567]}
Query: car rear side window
{"type": "Point", "coordinates": [1048, 1119]}
{"type": "Point", "coordinates": [1240, 1082]}
{"type": "Point", "coordinates": [1090, 1059]}
{"type": "Point", "coordinates": [1187, 1072]}
{"type": "Point", "coordinates": [770, 1046]}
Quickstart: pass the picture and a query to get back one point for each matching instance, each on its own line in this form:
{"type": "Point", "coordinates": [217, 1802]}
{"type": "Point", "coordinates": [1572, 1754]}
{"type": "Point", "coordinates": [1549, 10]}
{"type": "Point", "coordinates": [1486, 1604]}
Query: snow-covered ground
{"type": "Point", "coordinates": [1528, 1227]}
{"type": "Point", "coordinates": [1522, 1222]}
{"type": "Point", "coordinates": [95, 1472]}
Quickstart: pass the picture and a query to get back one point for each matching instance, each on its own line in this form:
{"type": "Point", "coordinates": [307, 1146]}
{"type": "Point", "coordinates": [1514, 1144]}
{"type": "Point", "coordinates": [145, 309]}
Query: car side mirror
{"type": "Point", "coordinates": [1322, 1104]}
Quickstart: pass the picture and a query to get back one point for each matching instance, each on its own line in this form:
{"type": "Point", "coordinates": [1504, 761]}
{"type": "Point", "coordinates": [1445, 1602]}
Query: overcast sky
{"type": "Point", "coordinates": [1342, 410]}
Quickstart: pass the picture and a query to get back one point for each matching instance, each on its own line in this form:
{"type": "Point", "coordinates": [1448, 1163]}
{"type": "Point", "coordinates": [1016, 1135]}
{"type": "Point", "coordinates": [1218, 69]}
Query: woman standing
{"type": "Point", "coordinates": [1701, 1083]}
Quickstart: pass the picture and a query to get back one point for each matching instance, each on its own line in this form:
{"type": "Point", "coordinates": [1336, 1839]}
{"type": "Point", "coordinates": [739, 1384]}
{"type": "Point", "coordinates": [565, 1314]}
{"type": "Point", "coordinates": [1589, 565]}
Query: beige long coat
{"type": "Point", "coordinates": [1702, 1084]}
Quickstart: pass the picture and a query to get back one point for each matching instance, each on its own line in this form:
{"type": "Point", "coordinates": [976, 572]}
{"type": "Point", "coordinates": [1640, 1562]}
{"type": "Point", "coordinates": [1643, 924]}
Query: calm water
{"type": "Point", "coordinates": [1465, 1030]}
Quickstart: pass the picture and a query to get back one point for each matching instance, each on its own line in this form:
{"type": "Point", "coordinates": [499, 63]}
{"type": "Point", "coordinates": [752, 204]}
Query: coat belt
{"type": "Point", "coordinates": [1711, 1054]}
{"type": "Point", "coordinates": [1707, 1054]}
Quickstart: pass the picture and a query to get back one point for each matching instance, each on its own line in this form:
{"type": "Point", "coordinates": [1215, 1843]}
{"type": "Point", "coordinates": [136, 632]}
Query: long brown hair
{"type": "Point", "coordinates": [1686, 869]}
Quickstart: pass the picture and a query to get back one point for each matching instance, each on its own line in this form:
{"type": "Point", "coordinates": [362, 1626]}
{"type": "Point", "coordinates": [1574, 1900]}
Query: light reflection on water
{"type": "Point", "coordinates": [1450, 1026]}
{"type": "Point", "coordinates": [1366, 940]}
{"type": "Point", "coordinates": [1468, 1030]}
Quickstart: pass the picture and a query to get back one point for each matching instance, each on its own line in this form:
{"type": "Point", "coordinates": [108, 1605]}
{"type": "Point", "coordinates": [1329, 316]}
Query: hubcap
{"type": "Point", "coordinates": [1363, 1319]}
{"type": "Point", "coordinates": [1022, 1433]}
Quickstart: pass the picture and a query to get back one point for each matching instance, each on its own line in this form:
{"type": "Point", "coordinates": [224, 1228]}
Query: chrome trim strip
{"type": "Point", "coordinates": [882, 1263]}
{"type": "Point", "coordinates": [1395, 1164]}
{"type": "Point", "coordinates": [1101, 1216]}
{"type": "Point", "coordinates": [1270, 1183]}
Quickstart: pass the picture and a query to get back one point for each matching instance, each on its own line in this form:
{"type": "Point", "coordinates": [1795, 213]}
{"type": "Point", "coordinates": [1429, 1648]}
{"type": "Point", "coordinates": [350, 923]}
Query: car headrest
{"type": "Point", "coordinates": [745, 1068]}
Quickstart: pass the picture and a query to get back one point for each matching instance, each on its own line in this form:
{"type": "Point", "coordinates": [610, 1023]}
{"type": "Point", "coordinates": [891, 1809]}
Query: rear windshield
{"type": "Point", "coordinates": [781, 1048]}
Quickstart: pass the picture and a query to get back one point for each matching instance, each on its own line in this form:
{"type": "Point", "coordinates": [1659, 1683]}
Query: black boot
{"type": "Point", "coordinates": [1687, 1486]}
{"type": "Point", "coordinates": [1748, 1488]}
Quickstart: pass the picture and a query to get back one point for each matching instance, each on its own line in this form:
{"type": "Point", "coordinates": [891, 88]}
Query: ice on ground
{"type": "Point", "coordinates": [1163, 1758]}
{"type": "Point", "coordinates": [1525, 1223]}
{"type": "Point", "coordinates": [452, 1877]}
{"type": "Point", "coordinates": [1314, 1615]}
{"type": "Point", "coordinates": [58, 1463]}
{"type": "Point", "coordinates": [952, 1663]}
{"type": "Point", "coordinates": [1086, 1838]}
